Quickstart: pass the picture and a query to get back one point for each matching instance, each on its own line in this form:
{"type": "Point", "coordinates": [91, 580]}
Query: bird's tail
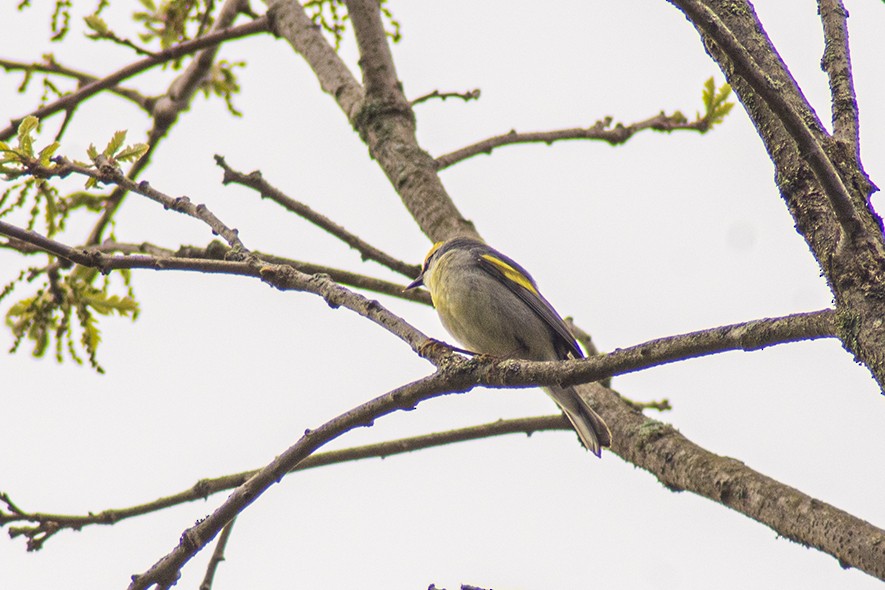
{"type": "Point", "coordinates": [591, 428]}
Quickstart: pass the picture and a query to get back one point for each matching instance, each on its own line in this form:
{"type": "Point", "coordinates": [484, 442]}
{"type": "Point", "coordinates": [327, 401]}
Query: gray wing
{"type": "Point", "coordinates": [528, 293]}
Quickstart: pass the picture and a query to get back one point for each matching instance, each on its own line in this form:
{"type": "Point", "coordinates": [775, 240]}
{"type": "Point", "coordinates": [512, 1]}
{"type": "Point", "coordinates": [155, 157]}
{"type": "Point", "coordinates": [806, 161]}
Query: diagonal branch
{"type": "Point", "coordinates": [677, 462]}
{"type": "Point", "coordinates": [602, 130]}
{"type": "Point", "coordinates": [166, 571]}
{"type": "Point", "coordinates": [836, 63]}
{"type": "Point", "coordinates": [747, 336]}
{"type": "Point", "coordinates": [106, 171]}
{"type": "Point", "coordinates": [280, 276]}
{"type": "Point", "coordinates": [385, 123]}
{"type": "Point", "coordinates": [68, 101]}
{"type": "Point", "coordinates": [50, 66]}
{"type": "Point", "coordinates": [201, 490]}
{"type": "Point", "coordinates": [796, 116]}
{"type": "Point", "coordinates": [167, 107]}
{"type": "Point", "coordinates": [256, 181]}
{"type": "Point", "coordinates": [217, 556]}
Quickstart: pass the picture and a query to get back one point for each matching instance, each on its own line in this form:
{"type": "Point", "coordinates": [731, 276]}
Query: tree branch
{"type": "Point", "coordinates": [681, 465]}
{"type": "Point", "coordinates": [854, 267]}
{"type": "Point", "coordinates": [836, 63]}
{"type": "Point", "coordinates": [177, 99]}
{"type": "Point", "coordinates": [217, 556]}
{"type": "Point", "coordinates": [280, 276]}
{"type": "Point", "coordinates": [256, 182]}
{"type": "Point", "coordinates": [204, 488]}
{"type": "Point", "coordinates": [786, 101]}
{"type": "Point", "coordinates": [602, 130]}
{"type": "Point", "coordinates": [50, 66]}
{"type": "Point", "coordinates": [218, 251]}
{"type": "Point", "coordinates": [70, 100]}
{"type": "Point", "coordinates": [107, 171]}
{"type": "Point", "coordinates": [385, 122]}
{"type": "Point", "coordinates": [465, 96]}
{"type": "Point", "coordinates": [166, 571]}
{"type": "Point", "coordinates": [746, 336]}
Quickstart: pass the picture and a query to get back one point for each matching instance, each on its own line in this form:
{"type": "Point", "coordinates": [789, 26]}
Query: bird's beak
{"type": "Point", "coordinates": [416, 283]}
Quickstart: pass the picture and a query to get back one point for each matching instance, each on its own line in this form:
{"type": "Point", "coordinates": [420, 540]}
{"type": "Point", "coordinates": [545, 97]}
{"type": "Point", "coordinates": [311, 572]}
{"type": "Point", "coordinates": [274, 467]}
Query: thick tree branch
{"type": "Point", "coordinates": [786, 101]}
{"type": "Point", "coordinates": [681, 465]}
{"type": "Point", "coordinates": [854, 267]}
{"type": "Point", "coordinates": [602, 130]}
{"type": "Point", "coordinates": [836, 63]}
{"type": "Point", "coordinates": [256, 182]}
{"type": "Point", "coordinates": [69, 101]}
{"type": "Point", "coordinates": [382, 116]}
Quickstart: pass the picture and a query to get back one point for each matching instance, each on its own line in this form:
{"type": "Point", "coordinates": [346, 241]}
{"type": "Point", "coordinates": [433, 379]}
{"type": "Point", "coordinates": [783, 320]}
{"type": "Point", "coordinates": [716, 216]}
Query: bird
{"type": "Point", "coordinates": [491, 305]}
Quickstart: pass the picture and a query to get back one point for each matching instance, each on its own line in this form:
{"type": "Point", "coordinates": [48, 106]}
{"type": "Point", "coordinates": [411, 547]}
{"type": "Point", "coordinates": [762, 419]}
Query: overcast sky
{"type": "Point", "coordinates": [667, 234]}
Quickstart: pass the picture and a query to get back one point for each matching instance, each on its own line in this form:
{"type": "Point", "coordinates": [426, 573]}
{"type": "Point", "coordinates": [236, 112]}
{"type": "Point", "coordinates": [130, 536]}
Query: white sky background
{"type": "Point", "coordinates": [664, 235]}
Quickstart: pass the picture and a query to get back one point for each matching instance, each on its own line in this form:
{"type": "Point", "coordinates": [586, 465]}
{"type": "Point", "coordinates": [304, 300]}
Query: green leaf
{"type": "Point", "coordinates": [46, 153]}
{"type": "Point", "coordinates": [708, 93]}
{"type": "Point", "coordinates": [27, 125]}
{"type": "Point", "coordinates": [105, 304]}
{"type": "Point", "coordinates": [25, 141]}
{"type": "Point", "coordinates": [96, 23]}
{"type": "Point", "coordinates": [132, 152]}
{"type": "Point", "coordinates": [91, 152]}
{"type": "Point", "coordinates": [115, 143]}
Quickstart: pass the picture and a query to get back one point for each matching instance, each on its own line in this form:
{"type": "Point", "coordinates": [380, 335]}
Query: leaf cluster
{"type": "Point", "coordinates": [115, 152]}
{"type": "Point", "coordinates": [222, 82]}
{"type": "Point", "coordinates": [331, 16]}
{"type": "Point", "coordinates": [48, 315]}
{"type": "Point", "coordinates": [174, 21]}
{"type": "Point", "coordinates": [33, 190]}
{"type": "Point", "coordinates": [716, 104]}
{"type": "Point", "coordinates": [31, 170]}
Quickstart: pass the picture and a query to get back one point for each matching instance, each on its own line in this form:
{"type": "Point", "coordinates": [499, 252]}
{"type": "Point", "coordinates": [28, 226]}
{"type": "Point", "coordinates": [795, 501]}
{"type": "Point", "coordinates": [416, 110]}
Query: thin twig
{"type": "Point", "coordinates": [836, 63]}
{"type": "Point", "coordinates": [107, 172]}
{"type": "Point", "coordinates": [465, 96]}
{"type": "Point", "coordinates": [602, 130]}
{"type": "Point", "coordinates": [217, 556]}
{"type": "Point", "coordinates": [256, 182]}
{"type": "Point", "coordinates": [218, 251]}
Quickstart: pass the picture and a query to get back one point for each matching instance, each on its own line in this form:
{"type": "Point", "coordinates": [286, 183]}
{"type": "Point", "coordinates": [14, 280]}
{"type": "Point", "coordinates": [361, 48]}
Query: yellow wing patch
{"type": "Point", "coordinates": [433, 250]}
{"type": "Point", "coordinates": [511, 273]}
